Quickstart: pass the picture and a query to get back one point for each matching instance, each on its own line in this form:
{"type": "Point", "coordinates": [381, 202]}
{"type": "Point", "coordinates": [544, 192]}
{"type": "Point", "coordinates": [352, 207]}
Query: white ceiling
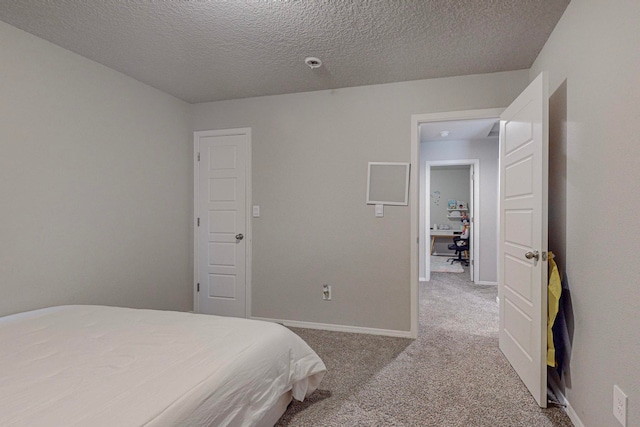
{"type": "Point", "coordinates": [224, 49]}
{"type": "Point", "coordinates": [461, 130]}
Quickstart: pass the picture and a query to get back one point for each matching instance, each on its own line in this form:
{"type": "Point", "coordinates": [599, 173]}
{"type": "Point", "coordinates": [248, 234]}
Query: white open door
{"type": "Point", "coordinates": [522, 262]}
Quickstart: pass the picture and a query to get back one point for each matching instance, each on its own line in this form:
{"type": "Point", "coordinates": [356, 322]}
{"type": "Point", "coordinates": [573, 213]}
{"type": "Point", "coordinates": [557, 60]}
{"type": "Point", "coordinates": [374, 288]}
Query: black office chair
{"type": "Point", "coordinates": [459, 245]}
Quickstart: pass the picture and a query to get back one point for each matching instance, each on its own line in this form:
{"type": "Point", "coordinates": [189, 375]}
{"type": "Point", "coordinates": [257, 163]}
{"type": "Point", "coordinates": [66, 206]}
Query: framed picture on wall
{"type": "Point", "coordinates": [388, 183]}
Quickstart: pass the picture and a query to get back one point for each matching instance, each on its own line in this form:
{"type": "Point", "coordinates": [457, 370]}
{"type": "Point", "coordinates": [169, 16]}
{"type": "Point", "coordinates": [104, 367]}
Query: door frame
{"type": "Point", "coordinates": [474, 254]}
{"type": "Point", "coordinates": [414, 201]}
{"type": "Point", "coordinates": [248, 235]}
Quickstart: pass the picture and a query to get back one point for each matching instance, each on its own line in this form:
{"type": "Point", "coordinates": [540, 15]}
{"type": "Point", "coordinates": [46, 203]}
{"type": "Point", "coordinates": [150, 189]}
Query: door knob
{"type": "Point", "coordinates": [239, 236]}
{"type": "Point", "coordinates": [531, 255]}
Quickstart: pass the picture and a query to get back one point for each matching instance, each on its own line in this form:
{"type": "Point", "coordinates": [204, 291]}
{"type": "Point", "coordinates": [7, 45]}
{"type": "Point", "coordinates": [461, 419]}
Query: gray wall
{"type": "Point", "coordinates": [451, 182]}
{"type": "Point", "coordinates": [310, 154]}
{"type": "Point", "coordinates": [95, 184]}
{"type": "Point", "coordinates": [486, 151]}
{"type": "Point", "coordinates": [593, 61]}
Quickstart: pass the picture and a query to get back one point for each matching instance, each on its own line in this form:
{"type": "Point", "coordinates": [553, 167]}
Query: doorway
{"type": "Point", "coordinates": [451, 204]}
{"type": "Point", "coordinates": [523, 229]}
{"type": "Point", "coordinates": [473, 143]}
{"type": "Point", "coordinates": [418, 195]}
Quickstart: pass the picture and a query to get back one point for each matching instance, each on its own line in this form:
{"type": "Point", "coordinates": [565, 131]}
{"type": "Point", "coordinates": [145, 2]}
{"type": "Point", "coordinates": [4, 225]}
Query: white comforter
{"type": "Point", "coordinates": [116, 367]}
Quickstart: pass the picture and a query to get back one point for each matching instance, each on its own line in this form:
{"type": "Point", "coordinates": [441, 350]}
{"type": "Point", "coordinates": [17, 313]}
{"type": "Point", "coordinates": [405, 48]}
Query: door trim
{"type": "Point", "coordinates": [414, 201]}
{"type": "Point", "coordinates": [248, 196]}
{"type": "Point", "coordinates": [475, 212]}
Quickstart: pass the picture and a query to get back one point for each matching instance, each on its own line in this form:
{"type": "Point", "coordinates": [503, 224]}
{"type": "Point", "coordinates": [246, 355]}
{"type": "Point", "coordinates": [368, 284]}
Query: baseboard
{"type": "Point", "coordinates": [571, 413]}
{"type": "Point", "coordinates": [338, 328]}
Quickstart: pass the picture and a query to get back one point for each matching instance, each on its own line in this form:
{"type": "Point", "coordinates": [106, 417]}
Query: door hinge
{"type": "Point", "coordinates": [198, 222]}
{"type": "Point", "coordinates": [198, 156]}
{"type": "Point", "coordinates": [198, 290]}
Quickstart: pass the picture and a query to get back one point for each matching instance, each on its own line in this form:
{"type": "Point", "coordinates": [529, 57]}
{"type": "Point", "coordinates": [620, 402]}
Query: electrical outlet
{"type": "Point", "coordinates": [326, 292]}
{"type": "Point", "coordinates": [620, 405]}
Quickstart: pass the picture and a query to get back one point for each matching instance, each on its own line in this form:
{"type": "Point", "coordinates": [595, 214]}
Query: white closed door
{"type": "Point", "coordinates": [523, 236]}
{"type": "Point", "coordinates": [221, 221]}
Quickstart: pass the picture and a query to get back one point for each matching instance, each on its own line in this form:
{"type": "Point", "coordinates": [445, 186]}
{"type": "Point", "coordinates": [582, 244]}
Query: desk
{"type": "Point", "coordinates": [448, 234]}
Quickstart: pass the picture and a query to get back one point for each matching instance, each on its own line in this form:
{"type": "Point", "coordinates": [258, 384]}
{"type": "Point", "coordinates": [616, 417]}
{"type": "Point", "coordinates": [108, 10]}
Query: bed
{"type": "Point", "coordinates": [108, 366]}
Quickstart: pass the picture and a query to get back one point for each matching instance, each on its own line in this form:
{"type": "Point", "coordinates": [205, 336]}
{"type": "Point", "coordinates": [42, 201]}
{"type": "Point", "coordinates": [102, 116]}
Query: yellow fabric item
{"type": "Point", "coordinates": [555, 289]}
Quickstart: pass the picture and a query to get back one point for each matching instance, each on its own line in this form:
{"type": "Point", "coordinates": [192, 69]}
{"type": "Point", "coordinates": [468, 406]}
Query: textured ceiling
{"type": "Point", "coordinates": [224, 49]}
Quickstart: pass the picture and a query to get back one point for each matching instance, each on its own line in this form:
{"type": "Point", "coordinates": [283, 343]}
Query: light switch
{"type": "Point", "coordinates": [379, 211]}
{"type": "Point", "coordinates": [256, 211]}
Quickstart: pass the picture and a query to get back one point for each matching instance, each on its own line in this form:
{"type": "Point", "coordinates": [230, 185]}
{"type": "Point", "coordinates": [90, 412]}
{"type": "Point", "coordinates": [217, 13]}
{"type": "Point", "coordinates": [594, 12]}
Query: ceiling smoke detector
{"type": "Point", "coordinates": [313, 62]}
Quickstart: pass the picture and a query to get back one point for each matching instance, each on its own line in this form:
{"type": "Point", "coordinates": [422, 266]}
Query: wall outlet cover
{"type": "Point", "coordinates": [326, 292]}
{"type": "Point", "coordinates": [620, 405]}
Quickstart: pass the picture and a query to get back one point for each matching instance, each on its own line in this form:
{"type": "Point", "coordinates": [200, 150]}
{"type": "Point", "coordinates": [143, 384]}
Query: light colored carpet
{"type": "Point", "coordinates": [452, 375]}
{"type": "Point", "coordinates": [439, 264]}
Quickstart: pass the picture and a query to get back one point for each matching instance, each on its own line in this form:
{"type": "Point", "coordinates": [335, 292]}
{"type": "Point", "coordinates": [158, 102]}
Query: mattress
{"type": "Point", "coordinates": [107, 366]}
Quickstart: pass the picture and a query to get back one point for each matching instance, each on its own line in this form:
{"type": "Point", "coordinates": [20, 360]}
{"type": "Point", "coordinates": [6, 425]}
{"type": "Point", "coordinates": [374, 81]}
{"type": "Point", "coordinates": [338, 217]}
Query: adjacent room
{"type": "Point", "coordinates": [188, 234]}
{"type": "Point", "coordinates": [459, 173]}
{"type": "Point", "coordinates": [451, 219]}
